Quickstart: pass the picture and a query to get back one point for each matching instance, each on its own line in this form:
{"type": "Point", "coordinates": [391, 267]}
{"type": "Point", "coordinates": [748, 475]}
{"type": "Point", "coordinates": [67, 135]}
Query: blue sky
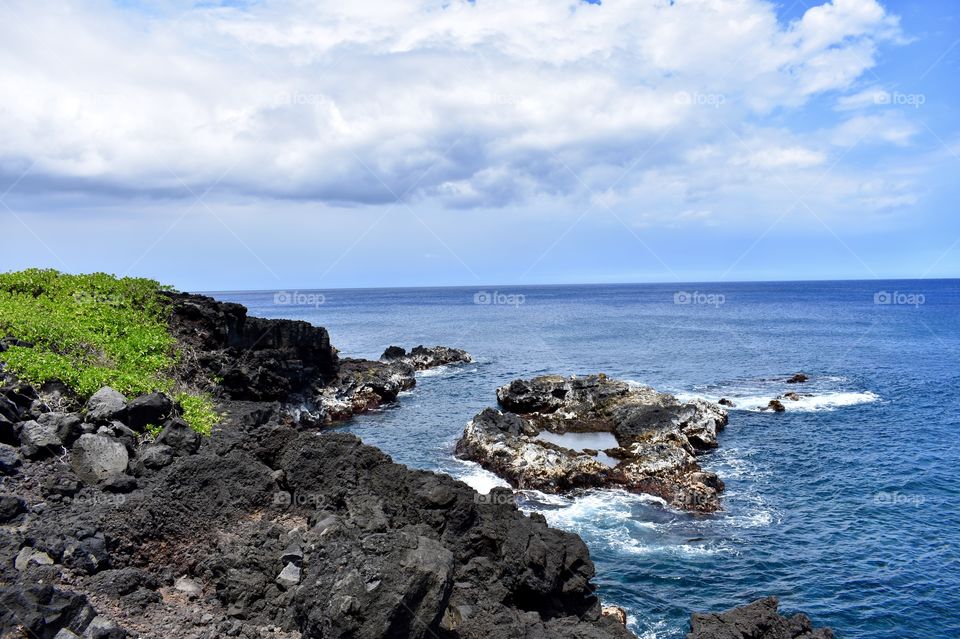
{"type": "Point", "coordinates": [266, 145]}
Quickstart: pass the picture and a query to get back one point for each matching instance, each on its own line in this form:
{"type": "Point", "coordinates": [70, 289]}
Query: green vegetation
{"type": "Point", "coordinates": [90, 331]}
{"type": "Point", "coordinates": [198, 412]}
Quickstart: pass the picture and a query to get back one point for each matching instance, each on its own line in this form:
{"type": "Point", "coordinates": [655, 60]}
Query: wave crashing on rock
{"type": "Point", "coordinates": [652, 439]}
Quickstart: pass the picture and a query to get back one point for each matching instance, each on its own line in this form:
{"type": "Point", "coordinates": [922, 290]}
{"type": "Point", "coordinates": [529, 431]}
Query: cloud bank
{"type": "Point", "coordinates": [680, 109]}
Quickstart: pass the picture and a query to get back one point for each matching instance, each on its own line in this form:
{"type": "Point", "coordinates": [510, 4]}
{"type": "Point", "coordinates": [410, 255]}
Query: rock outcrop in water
{"type": "Point", "coordinates": [654, 439]}
{"type": "Point", "coordinates": [292, 361]}
{"type": "Point", "coordinates": [422, 358]}
{"type": "Point", "coordinates": [758, 620]}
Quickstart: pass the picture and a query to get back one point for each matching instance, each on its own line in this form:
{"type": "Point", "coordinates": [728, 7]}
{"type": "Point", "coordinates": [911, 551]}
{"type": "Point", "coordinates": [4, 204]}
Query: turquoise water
{"type": "Point", "coordinates": [845, 507]}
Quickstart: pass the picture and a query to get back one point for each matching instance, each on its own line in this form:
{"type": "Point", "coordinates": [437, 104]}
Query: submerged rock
{"type": "Point", "coordinates": [798, 378]}
{"type": "Point", "coordinates": [648, 440]}
{"type": "Point", "coordinates": [757, 620]}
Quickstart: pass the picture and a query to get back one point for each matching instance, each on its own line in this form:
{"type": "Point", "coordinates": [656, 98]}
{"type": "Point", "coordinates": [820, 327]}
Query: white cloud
{"type": "Point", "coordinates": [467, 104]}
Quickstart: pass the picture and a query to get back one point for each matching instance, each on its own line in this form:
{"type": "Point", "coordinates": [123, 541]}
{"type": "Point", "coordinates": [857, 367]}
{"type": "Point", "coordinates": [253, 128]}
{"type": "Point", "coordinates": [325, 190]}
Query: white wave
{"type": "Point", "coordinates": [807, 403]}
{"type": "Point", "coordinates": [479, 478]}
{"type": "Point", "coordinates": [437, 371]}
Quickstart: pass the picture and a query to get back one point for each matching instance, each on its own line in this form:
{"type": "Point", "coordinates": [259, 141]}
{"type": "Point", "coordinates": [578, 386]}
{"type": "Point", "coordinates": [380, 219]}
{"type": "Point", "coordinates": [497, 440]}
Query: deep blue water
{"type": "Point", "coordinates": [845, 507]}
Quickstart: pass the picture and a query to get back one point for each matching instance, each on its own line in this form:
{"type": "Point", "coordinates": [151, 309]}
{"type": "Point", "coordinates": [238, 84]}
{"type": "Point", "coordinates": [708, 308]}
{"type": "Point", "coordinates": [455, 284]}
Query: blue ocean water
{"type": "Point", "coordinates": [845, 507]}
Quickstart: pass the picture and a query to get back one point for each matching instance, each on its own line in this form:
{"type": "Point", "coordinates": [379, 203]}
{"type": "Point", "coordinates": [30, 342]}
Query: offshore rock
{"type": "Point", "coordinates": [649, 440]}
{"type": "Point", "coordinates": [757, 620]}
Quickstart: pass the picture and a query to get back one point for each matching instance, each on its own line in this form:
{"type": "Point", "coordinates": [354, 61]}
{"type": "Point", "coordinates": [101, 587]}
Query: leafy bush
{"type": "Point", "coordinates": [90, 331]}
{"type": "Point", "coordinates": [198, 411]}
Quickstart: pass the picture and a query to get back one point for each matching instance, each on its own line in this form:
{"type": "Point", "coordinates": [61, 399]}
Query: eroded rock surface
{"type": "Point", "coordinates": [758, 620]}
{"type": "Point", "coordinates": [541, 439]}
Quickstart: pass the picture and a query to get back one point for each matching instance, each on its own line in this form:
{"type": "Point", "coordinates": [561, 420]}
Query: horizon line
{"type": "Point", "coordinates": [561, 284]}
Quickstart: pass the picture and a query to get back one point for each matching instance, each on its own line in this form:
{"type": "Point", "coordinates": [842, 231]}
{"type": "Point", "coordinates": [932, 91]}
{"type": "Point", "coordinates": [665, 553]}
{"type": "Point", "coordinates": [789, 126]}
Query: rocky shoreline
{"type": "Point", "coordinates": [117, 519]}
{"type": "Point", "coordinates": [561, 434]}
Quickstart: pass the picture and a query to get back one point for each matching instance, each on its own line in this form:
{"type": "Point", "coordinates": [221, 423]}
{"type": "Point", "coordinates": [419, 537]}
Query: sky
{"type": "Point", "coordinates": [326, 144]}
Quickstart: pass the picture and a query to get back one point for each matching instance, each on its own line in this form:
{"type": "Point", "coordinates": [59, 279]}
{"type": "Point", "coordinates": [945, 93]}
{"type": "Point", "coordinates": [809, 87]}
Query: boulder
{"type": "Point", "coordinates": [106, 405]}
{"type": "Point", "coordinates": [67, 426]}
{"type": "Point", "coordinates": [289, 576]}
{"type": "Point", "coordinates": [39, 440]}
{"type": "Point", "coordinates": [156, 456]}
{"type": "Point", "coordinates": [798, 378]}
{"type": "Point", "coordinates": [103, 628]}
{"type": "Point", "coordinates": [9, 410]}
{"type": "Point", "coordinates": [757, 620]}
{"type": "Point", "coordinates": [181, 439]}
{"type": "Point", "coordinates": [145, 410]}
{"type": "Point", "coordinates": [726, 402]}
{"type": "Point", "coordinates": [10, 508]}
{"type": "Point", "coordinates": [119, 484]}
{"type": "Point", "coordinates": [97, 457]}
{"type": "Point", "coordinates": [9, 459]}
{"type": "Point", "coordinates": [42, 610]}
{"type": "Point", "coordinates": [86, 552]}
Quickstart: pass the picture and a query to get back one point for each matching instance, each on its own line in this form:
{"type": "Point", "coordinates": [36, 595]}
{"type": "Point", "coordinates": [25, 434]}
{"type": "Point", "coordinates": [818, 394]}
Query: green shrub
{"type": "Point", "coordinates": [198, 411]}
{"type": "Point", "coordinates": [90, 331]}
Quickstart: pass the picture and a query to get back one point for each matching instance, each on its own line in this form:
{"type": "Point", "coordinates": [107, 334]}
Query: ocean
{"type": "Point", "coordinates": [846, 506]}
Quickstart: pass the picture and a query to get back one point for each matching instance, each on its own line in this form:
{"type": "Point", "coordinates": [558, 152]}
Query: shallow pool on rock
{"type": "Point", "coordinates": [580, 441]}
{"type": "Point", "coordinates": [584, 441]}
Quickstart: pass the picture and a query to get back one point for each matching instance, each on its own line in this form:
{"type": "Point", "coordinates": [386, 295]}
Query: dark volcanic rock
{"type": "Point", "coordinates": [758, 620]}
{"type": "Point", "coordinates": [776, 406]}
{"type": "Point", "coordinates": [363, 385]}
{"type": "Point", "coordinates": [178, 435]}
{"type": "Point", "coordinates": [9, 459]}
{"type": "Point", "coordinates": [423, 357]}
{"type": "Point", "coordinates": [67, 426]}
{"type": "Point", "coordinates": [42, 611]}
{"type": "Point", "coordinates": [152, 409]}
{"type": "Point", "coordinates": [10, 508]}
{"type": "Point", "coordinates": [799, 378]}
{"type": "Point", "coordinates": [653, 439]}
{"type": "Point", "coordinates": [106, 405]}
{"type": "Point", "coordinates": [320, 535]}
{"type": "Point", "coordinates": [256, 359]}
{"type": "Point", "coordinates": [39, 440]}
{"type": "Point", "coordinates": [97, 457]}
